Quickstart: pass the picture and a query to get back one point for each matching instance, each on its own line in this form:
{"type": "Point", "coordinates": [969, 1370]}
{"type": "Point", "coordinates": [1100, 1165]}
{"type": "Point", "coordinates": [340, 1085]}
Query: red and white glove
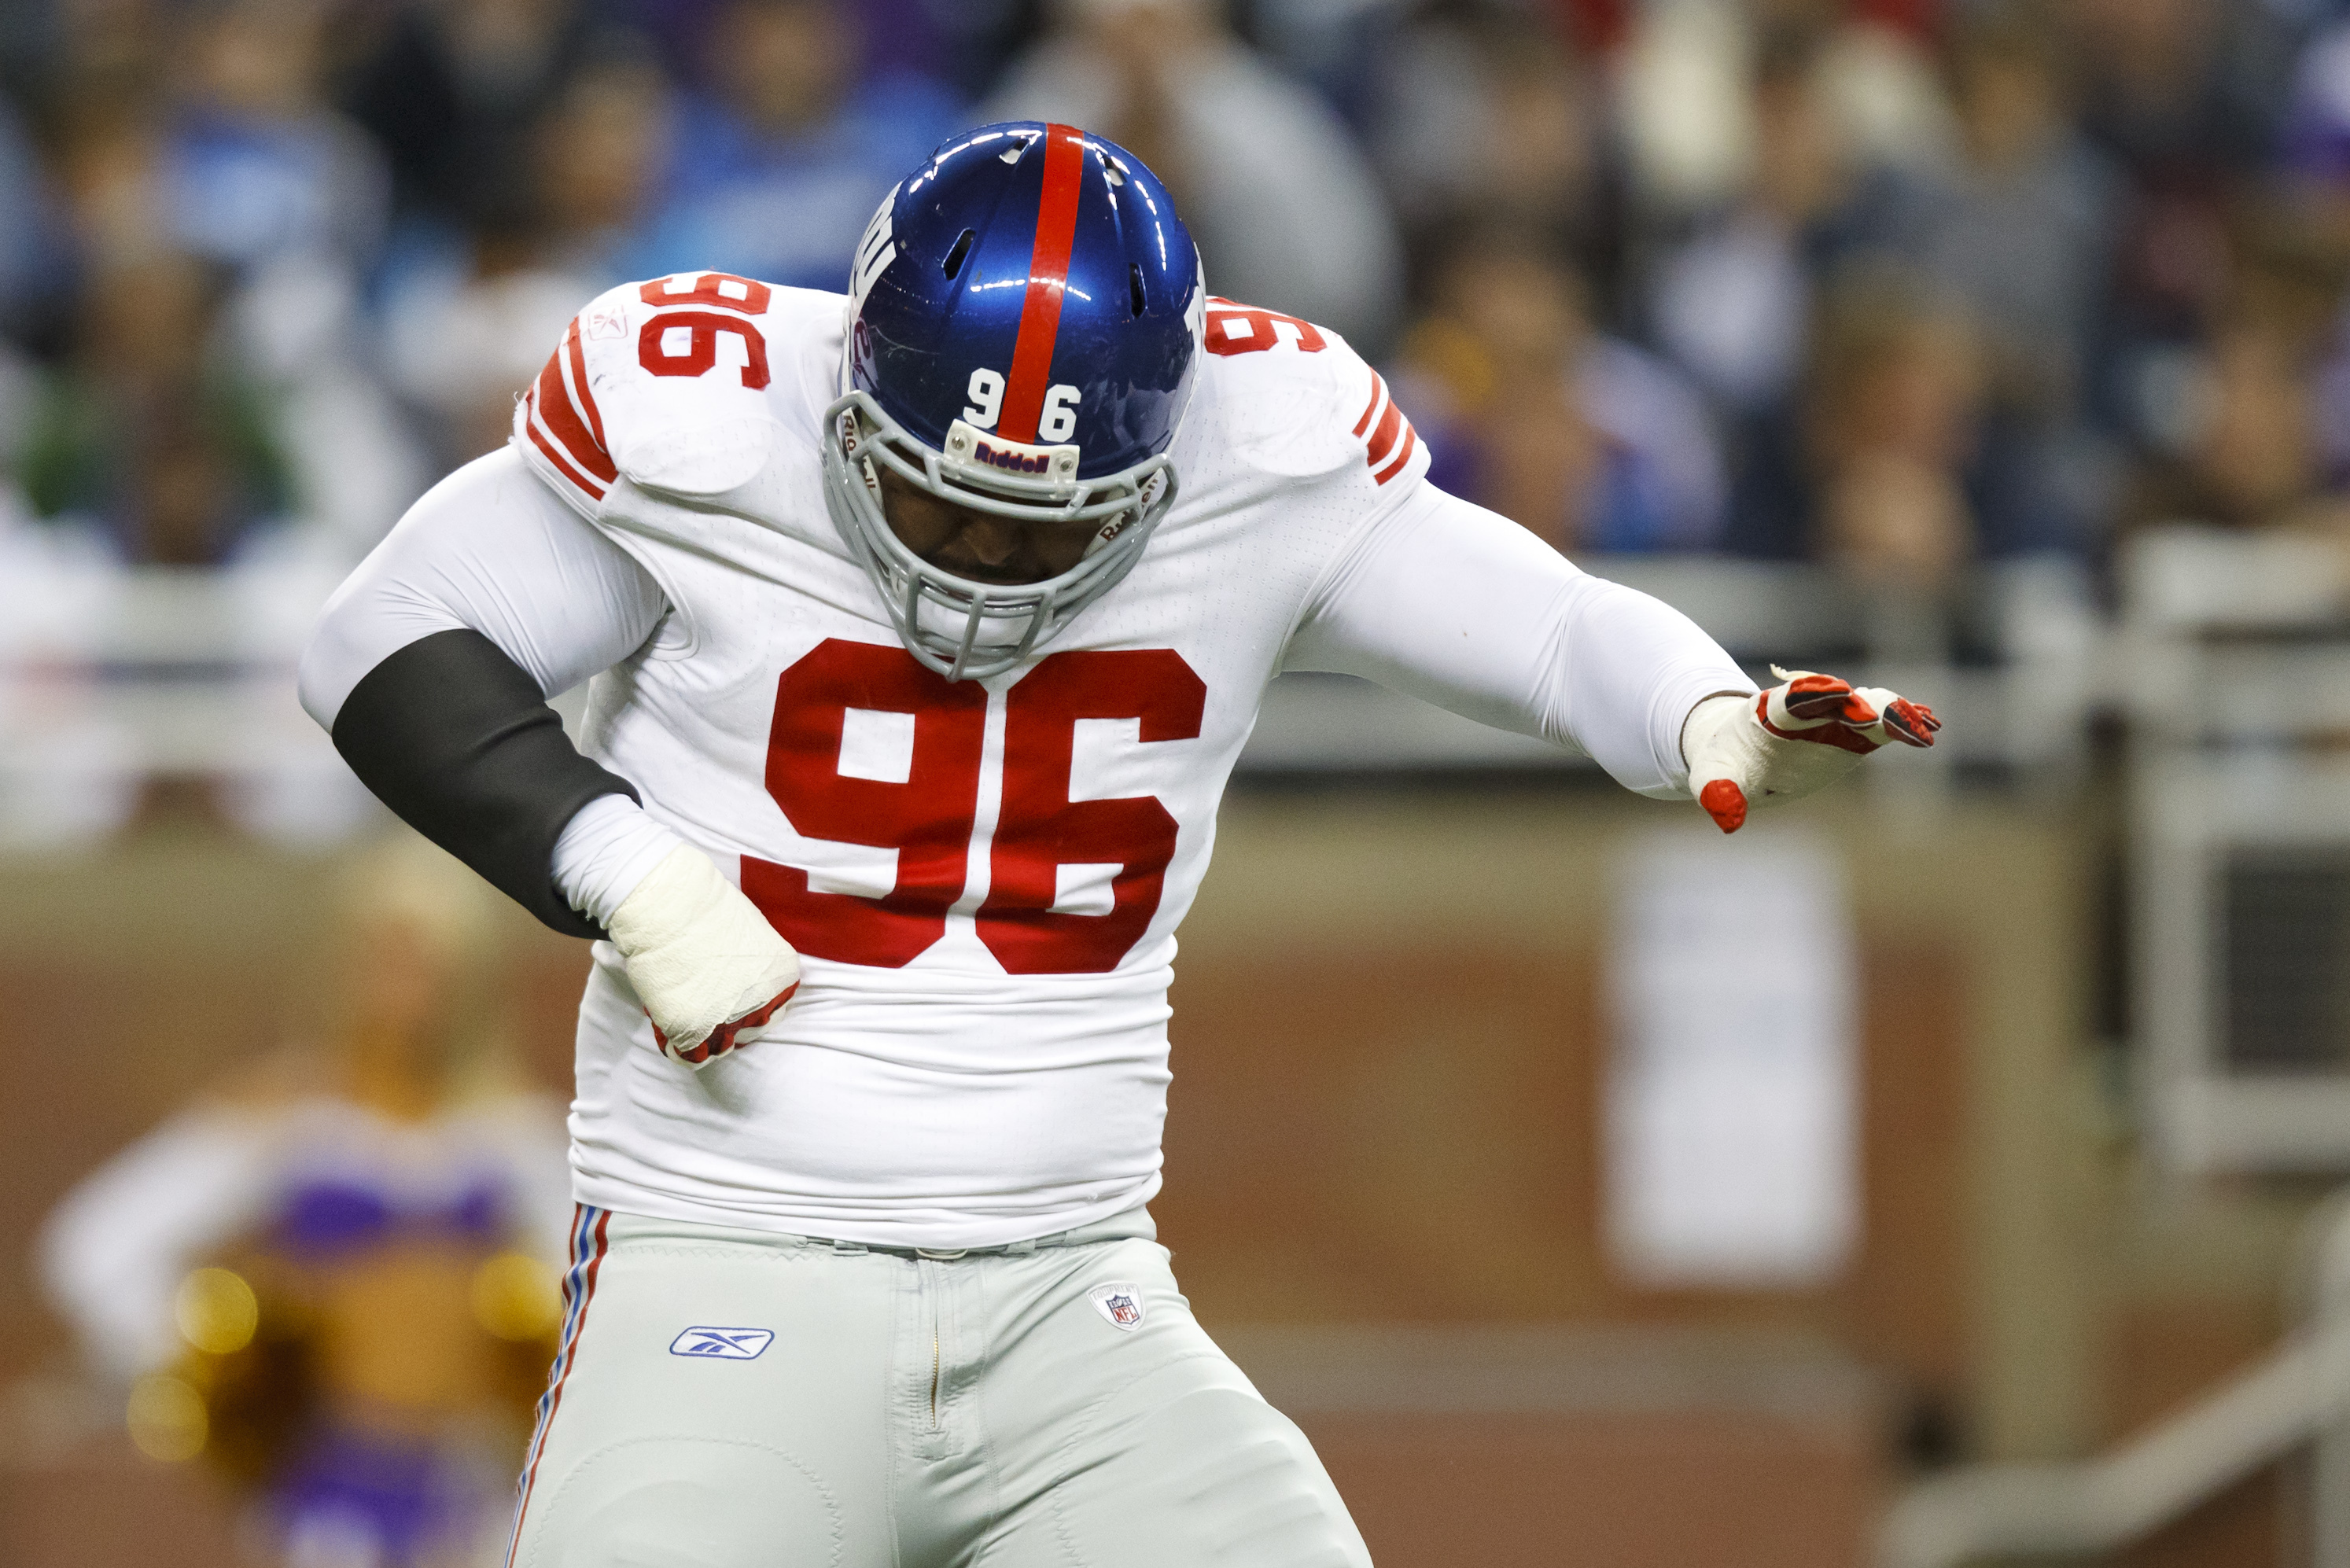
{"type": "Point", "coordinates": [704, 961]}
{"type": "Point", "coordinates": [1791, 739]}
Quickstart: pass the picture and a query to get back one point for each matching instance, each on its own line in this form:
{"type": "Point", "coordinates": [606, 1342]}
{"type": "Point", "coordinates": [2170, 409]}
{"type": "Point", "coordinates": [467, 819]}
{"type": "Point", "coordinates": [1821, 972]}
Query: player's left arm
{"type": "Point", "coordinates": [1440, 598]}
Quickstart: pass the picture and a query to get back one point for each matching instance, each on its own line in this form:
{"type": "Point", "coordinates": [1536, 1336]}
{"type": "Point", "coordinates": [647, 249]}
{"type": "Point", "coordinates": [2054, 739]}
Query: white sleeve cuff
{"type": "Point", "coordinates": [607, 848]}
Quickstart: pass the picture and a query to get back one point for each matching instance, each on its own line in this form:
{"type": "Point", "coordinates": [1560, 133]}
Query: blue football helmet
{"type": "Point", "coordinates": [1024, 318]}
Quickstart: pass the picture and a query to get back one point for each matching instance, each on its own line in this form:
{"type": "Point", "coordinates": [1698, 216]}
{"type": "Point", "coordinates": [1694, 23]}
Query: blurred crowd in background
{"type": "Point", "coordinates": [1898, 284]}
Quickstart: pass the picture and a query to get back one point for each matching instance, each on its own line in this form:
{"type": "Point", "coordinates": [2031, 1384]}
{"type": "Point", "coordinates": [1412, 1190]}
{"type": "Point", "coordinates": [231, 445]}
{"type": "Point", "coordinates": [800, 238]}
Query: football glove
{"type": "Point", "coordinates": [1791, 739]}
{"type": "Point", "coordinates": [705, 963]}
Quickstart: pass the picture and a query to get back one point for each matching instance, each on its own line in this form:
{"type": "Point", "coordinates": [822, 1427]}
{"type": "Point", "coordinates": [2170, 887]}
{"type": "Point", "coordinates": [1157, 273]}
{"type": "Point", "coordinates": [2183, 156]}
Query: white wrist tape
{"type": "Point", "coordinates": [701, 957]}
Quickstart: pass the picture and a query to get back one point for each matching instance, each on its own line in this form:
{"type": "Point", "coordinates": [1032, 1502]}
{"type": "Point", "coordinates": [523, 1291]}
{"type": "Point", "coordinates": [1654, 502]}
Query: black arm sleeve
{"type": "Point", "coordinates": [457, 739]}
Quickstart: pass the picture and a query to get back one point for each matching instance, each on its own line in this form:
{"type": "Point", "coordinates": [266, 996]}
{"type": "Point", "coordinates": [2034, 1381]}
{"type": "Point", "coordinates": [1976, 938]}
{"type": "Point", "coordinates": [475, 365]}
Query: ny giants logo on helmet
{"type": "Point", "coordinates": [874, 251]}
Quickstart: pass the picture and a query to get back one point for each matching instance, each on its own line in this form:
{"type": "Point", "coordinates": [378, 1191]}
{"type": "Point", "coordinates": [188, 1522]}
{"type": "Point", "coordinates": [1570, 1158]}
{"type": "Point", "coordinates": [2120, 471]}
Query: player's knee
{"type": "Point", "coordinates": [682, 1502]}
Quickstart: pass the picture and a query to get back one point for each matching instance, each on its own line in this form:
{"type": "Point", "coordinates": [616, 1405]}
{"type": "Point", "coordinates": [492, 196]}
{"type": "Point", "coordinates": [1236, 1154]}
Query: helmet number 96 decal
{"type": "Point", "coordinates": [1058, 421]}
{"type": "Point", "coordinates": [986, 399]}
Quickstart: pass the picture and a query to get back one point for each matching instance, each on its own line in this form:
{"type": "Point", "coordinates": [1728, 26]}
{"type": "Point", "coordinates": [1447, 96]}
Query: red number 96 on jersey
{"type": "Point", "coordinates": [927, 818]}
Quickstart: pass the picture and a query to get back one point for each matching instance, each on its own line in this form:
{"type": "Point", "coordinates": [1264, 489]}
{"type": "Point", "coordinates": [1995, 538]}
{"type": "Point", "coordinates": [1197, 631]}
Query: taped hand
{"type": "Point", "coordinates": [704, 961]}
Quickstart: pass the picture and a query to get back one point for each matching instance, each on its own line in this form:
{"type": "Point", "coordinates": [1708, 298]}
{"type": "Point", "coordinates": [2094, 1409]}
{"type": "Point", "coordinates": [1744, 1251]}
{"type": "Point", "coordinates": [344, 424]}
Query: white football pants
{"type": "Point", "coordinates": [725, 1397]}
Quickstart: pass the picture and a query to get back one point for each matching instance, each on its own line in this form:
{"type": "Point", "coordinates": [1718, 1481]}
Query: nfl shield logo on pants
{"type": "Point", "coordinates": [1120, 1302]}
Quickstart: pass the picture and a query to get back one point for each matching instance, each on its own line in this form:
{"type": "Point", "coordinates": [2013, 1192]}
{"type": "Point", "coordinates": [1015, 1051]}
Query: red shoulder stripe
{"type": "Point", "coordinates": [1378, 391]}
{"type": "Point", "coordinates": [585, 484]}
{"type": "Point", "coordinates": [1048, 278]}
{"type": "Point", "coordinates": [557, 412]}
{"type": "Point", "coordinates": [1409, 438]}
{"type": "Point", "coordinates": [1383, 439]}
{"type": "Point", "coordinates": [587, 399]}
{"type": "Point", "coordinates": [535, 427]}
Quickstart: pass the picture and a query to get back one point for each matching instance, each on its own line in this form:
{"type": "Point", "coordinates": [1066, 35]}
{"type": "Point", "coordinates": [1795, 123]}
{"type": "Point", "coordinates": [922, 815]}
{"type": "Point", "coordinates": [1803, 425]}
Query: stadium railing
{"type": "Point", "coordinates": [2237, 653]}
{"type": "Point", "coordinates": [113, 675]}
{"type": "Point", "coordinates": [2298, 1399]}
{"type": "Point", "coordinates": [110, 677]}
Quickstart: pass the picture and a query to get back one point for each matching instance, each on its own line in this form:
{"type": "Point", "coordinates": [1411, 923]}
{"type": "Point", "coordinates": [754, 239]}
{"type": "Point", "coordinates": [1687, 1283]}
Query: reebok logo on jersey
{"type": "Point", "coordinates": [1120, 1302]}
{"type": "Point", "coordinates": [723, 1344]}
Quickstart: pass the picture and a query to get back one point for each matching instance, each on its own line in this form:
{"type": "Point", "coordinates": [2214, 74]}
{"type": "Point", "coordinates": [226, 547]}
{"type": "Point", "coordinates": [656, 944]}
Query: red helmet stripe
{"type": "Point", "coordinates": [1048, 276]}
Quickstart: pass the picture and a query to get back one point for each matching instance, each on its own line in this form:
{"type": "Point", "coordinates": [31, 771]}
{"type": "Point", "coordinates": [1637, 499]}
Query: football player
{"type": "Point", "coordinates": [924, 627]}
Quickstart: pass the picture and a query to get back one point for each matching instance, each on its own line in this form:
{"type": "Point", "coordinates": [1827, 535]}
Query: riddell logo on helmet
{"type": "Point", "coordinates": [1016, 462]}
{"type": "Point", "coordinates": [967, 443]}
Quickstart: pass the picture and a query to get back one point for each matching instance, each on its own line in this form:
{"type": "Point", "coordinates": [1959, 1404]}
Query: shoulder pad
{"type": "Point", "coordinates": [1299, 401]}
{"type": "Point", "coordinates": [663, 383]}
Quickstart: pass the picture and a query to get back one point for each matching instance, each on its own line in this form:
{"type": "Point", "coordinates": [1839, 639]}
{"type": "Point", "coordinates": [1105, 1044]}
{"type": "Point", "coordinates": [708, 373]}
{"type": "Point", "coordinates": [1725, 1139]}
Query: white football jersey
{"type": "Point", "coordinates": [982, 879]}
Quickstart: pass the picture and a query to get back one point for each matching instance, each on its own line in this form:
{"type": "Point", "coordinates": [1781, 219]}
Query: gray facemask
{"type": "Point", "coordinates": [967, 631]}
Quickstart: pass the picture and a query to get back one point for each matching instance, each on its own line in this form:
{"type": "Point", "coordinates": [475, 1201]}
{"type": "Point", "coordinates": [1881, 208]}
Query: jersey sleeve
{"type": "Point", "coordinates": [431, 667]}
{"type": "Point", "coordinates": [486, 550]}
{"type": "Point", "coordinates": [559, 428]}
{"type": "Point", "coordinates": [1304, 405]}
{"type": "Point", "coordinates": [1392, 448]}
{"type": "Point", "coordinates": [661, 383]}
{"type": "Point", "coordinates": [1443, 600]}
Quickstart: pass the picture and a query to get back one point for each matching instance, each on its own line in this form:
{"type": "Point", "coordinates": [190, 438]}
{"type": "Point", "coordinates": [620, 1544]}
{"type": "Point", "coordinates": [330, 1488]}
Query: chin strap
{"type": "Point", "coordinates": [1145, 498]}
{"type": "Point", "coordinates": [851, 438]}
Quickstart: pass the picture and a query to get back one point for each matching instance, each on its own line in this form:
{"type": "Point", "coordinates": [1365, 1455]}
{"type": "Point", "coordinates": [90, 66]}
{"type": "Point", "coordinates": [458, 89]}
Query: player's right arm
{"type": "Point", "coordinates": [431, 668]}
{"type": "Point", "coordinates": [432, 665]}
